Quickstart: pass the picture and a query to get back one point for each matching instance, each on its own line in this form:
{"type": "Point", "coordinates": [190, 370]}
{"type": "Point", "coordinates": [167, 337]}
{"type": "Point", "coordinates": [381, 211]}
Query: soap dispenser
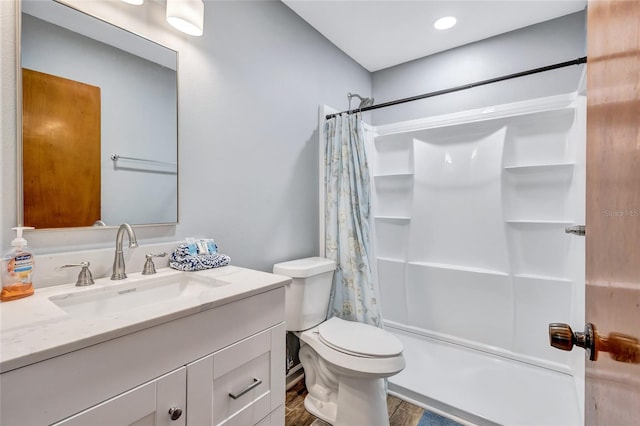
{"type": "Point", "coordinates": [17, 269]}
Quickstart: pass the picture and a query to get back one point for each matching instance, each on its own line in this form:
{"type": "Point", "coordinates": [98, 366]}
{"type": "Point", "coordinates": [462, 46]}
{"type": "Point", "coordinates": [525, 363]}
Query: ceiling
{"type": "Point", "coordinates": [382, 33]}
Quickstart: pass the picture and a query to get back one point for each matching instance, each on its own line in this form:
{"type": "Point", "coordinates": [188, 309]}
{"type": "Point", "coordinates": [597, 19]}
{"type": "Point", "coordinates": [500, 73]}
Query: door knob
{"type": "Point", "coordinates": [561, 336]}
{"type": "Point", "coordinates": [621, 347]}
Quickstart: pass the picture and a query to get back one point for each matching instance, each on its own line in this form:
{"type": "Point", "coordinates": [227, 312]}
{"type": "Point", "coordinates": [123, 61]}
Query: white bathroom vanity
{"type": "Point", "coordinates": [174, 348]}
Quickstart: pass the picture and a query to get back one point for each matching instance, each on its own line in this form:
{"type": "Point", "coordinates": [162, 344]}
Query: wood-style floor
{"type": "Point", "coordinates": [401, 413]}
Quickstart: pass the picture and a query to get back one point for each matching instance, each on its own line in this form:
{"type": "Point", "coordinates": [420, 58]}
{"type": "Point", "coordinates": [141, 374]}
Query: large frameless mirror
{"type": "Point", "coordinates": [99, 122]}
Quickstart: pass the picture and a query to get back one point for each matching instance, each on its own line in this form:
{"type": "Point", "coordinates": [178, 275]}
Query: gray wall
{"type": "Point", "coordinates": [539, 45]}
{"type": "Point", "coordinates": [254, 168]}
{"type": "Point", "coordinates": [249, 92]}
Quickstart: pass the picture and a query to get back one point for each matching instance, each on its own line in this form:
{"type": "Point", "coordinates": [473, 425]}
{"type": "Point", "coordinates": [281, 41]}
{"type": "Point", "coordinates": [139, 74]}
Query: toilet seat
{"type": "Point", "coordinates": [357, 339]}
{"type": "Point", "coordinates": [352, 365]}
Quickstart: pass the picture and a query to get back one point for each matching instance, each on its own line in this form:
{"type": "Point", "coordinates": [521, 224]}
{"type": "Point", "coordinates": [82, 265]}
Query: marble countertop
{"type": "Point", "coordinates": [35, 328]}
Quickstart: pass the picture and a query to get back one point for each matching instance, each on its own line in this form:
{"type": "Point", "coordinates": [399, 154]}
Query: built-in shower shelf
{"type": "Point", "coordinates": [391, 259]}
{"type": "Point", "coordinates": [538, 222]}
{"type": "Point", "coordinates": [540, 168]}
{"type": "Point", "coordinates": [460, 268]}
{"type": "Point", "coordinates": [403, 175]}
{"type": "Point", "coordinates": [393, 218]}
{"type": "Point", "coordinates": [543, 278]}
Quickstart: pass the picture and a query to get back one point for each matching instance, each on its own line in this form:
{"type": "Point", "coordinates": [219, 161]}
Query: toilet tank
{"type": "Point", "coordinates": [307, 296]}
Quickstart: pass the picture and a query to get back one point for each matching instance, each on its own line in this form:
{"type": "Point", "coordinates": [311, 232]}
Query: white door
{"type": "Point", "coordinates": [157, 403]}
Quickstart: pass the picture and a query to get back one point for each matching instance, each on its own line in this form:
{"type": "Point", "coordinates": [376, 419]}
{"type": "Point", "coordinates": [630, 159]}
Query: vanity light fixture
{"type": "Point", "coordinates": [186, 16]}
{"type": "Point", "coordinates": [445, 23]}
{"type": "Point", "coordinates": [134, 2]}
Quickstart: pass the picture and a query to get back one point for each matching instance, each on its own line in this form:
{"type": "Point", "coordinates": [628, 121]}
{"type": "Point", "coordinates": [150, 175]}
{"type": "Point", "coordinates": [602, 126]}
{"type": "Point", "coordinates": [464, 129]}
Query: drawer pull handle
{"type": "Point", "coordinates": [256, 383]}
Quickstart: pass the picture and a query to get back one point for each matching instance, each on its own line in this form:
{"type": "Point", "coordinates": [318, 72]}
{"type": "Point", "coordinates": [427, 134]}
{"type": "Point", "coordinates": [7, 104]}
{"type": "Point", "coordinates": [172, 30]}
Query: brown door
{"type": "Point", "coordinates": [61, 151]}
{"type": "Point", "coordinates": [613, 211]}
{"type": "Point", "coordinates": [611, 336]}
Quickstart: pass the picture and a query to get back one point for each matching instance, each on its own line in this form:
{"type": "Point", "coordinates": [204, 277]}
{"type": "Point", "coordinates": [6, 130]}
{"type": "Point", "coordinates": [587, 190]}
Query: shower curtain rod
{"type": "Point", "coordinates": [578, 61]}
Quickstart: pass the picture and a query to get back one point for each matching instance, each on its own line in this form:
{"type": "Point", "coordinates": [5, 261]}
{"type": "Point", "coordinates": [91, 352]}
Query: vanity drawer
{"type": "Point", "coordinates": [240, 384]}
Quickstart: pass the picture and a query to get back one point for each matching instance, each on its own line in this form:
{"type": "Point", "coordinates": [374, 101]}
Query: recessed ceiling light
{"type": "Point", "coordinates": [445, 23]}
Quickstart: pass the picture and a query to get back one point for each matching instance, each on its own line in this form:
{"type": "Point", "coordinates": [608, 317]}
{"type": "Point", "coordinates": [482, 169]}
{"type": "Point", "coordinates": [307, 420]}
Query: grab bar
{"type": "Point", "coordinates": [116, 157]}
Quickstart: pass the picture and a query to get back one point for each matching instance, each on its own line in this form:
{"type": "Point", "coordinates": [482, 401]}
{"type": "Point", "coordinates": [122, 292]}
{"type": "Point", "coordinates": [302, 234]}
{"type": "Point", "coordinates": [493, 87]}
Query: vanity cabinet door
{"type": "Point", "coordinates": [146, 405]}
{"type": "Point", "coordinates": [241, 384]}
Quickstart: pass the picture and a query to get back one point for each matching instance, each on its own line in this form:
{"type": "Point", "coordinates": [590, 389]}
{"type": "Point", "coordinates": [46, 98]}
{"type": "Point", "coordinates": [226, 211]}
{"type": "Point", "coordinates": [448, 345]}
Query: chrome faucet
{"type": "Point", "coordinates": [118, 261]}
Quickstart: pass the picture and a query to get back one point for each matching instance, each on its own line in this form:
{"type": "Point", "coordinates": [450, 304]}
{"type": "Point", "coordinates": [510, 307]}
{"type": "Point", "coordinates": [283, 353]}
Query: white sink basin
{"type": "Point", "coordinates": [147, 293]}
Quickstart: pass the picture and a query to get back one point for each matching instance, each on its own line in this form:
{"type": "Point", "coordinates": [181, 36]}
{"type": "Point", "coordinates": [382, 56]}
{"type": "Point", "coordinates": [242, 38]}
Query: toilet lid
{"type": "Point", "coordinates": [358, 339]}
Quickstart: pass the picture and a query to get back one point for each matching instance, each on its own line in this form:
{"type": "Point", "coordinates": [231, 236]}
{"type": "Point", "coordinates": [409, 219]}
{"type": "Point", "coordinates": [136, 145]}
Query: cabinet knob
{"type": "Point", "coordinates": [175, 413]}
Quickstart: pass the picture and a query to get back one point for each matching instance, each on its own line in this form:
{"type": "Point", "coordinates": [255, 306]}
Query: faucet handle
{"type": "Point", "coordinates": [85, 277]}
{"type": "Point", "coordinates": [149, 267]}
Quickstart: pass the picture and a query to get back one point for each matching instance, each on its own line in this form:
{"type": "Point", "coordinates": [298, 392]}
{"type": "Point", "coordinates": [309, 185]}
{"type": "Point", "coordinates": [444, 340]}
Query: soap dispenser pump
{"type": "Point", "coordinates": [17, 269]}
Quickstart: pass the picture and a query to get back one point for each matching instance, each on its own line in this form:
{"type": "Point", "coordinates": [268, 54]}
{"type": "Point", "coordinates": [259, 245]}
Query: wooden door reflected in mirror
{"type": "Point", "coordinates": [61, 151]}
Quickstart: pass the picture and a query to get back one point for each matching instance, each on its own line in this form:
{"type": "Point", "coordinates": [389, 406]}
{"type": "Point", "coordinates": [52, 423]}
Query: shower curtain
{"type": "Point", "coordinates": [347, 207]}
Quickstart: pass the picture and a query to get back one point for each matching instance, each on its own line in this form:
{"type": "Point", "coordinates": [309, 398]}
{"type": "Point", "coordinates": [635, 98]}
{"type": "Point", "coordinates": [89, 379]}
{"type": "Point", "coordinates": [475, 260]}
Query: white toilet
{"type": "Point", "coordinates": [344, 362]}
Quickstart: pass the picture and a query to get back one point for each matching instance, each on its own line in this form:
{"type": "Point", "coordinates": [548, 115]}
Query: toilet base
{"type": "Point", "coordinates": [366, 403]}
{"type": "Point", "coordinates": [366, 400]}
{"type": "Point", "coordinates": [340, 399]}
{"type": "Point", "coordinates": [325, 411]}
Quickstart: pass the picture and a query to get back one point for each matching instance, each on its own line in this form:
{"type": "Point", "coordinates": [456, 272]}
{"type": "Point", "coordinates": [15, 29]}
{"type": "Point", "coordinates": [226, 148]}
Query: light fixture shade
{"type": "Point", "coordinates": [135, 2]}
{"type": "Point", "coordinates": [186, 16]}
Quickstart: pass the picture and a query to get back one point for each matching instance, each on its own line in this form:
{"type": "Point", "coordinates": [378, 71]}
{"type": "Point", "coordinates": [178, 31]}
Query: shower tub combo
{"type": "Point", "coordinates": [473, 262]}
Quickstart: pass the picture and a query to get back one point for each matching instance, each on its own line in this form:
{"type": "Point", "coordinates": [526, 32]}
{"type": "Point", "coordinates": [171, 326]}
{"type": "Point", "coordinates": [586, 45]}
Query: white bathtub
{"type": "Point", "coordinates": [480, 388]}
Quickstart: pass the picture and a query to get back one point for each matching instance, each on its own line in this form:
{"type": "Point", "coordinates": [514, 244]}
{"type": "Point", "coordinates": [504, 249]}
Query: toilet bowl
{"type": "Point", "coordinates": [344, 362]}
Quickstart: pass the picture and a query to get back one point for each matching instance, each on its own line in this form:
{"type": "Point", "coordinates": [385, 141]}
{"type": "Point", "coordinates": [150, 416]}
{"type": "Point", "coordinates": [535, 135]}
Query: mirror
{"type": "Point", "coordinates": [99, 134]}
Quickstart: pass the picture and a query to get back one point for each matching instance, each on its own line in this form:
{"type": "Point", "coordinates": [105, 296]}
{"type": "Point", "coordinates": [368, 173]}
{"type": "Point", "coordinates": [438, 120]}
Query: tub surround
{"type": "Point", "coordinates": [34, 329]}
{"type": "Point", "coordinates": [470, 211]}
